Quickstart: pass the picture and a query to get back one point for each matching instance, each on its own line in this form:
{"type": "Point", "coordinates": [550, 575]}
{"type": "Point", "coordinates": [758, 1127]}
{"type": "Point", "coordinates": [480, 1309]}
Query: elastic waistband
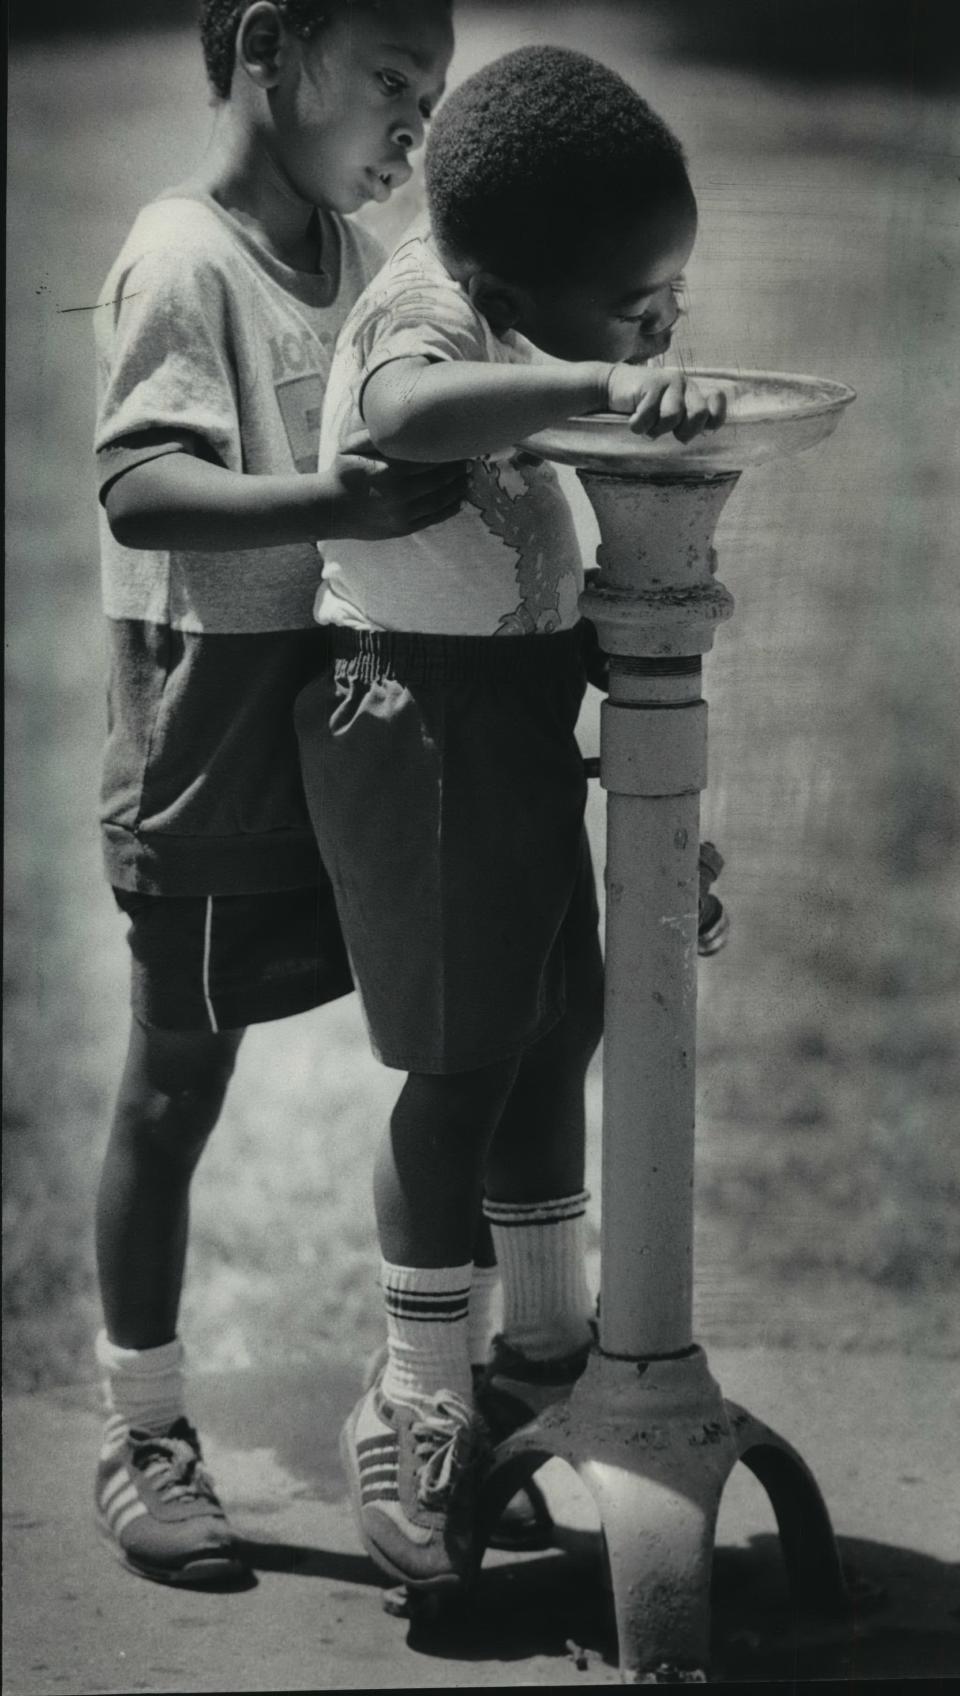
{"type": "Point", "coordinates": [411, 657]}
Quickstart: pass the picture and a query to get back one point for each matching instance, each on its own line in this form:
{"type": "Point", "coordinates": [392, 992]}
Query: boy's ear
{"type": "Point", "coordinates": [260, 43]}
{"type": "Point", "coordinates": [499, 302]}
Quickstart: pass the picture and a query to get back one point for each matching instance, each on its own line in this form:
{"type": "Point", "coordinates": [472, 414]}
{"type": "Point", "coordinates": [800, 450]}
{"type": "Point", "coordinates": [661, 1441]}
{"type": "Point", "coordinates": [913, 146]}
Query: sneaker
{"type": "Point", "coordinates": [515, 1389]}
{"type": "Point", "coordinates": [412, 1470]}
{"type": "Point", "coordinates": [157, 1508]}
{"type": "Point", "coordinates": [713, 926]}
{"type": "Point", "coordinates": [525, 1522]}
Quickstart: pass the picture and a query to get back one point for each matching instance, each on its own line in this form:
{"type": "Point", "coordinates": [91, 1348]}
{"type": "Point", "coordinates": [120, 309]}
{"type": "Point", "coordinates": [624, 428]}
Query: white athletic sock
{"type": "Point", "coordinates": [486, 1313]}
{"type": "Point", "coordinates": [141, 1387]}
{"type": "Point", "coordinates": [547, 1305]}
{"type": "Point", "coordinates": [427, 1311]}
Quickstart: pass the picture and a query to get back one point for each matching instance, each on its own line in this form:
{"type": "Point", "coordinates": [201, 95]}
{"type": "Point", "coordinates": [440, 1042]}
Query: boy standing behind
{"type": "Point", "coordinates": [440, 761]}
{"type": "Point", "coordinates": [215, 333]}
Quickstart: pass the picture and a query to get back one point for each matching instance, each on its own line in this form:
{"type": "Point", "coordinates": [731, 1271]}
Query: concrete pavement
{"type": "Point", "coordinates": [880, 1432]}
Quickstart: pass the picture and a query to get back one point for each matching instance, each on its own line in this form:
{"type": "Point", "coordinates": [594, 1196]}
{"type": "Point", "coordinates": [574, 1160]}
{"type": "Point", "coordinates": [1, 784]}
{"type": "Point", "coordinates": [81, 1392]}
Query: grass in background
{"type": "Point", "coordinates": [828, 1175]}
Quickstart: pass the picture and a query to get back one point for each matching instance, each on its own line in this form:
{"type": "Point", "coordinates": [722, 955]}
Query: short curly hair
{"type": "Point", "coordinates": [538, 141]}
{"type": "Point", "coordinates": [218, 30]}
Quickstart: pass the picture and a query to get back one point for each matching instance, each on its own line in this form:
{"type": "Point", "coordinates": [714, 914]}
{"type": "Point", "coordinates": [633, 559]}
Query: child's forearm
{"type": "Point", "coordinates": [183, 503]}
{"type": "Point", "coordinates": [444, 410]}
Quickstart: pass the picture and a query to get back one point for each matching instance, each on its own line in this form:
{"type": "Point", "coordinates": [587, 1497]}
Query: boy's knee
{"type": "Point", "coordinates": [465, 1100]}
{"type": "Point", "coordinates": [174, 1122]}
{"type": "Point", "coordinates": [174, 1088]}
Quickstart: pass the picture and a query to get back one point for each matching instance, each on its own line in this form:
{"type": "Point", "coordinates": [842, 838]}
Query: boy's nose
{"type": "Point", "coordinates": [408, 134]}
{"type": "Point", "coordinates": [668, 312]}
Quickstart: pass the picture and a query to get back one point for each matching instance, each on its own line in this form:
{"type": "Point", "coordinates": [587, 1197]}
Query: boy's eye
{"type": "Point", "coordinates": [391, 82]}
{"type": "Point", "coordinates": [677, 287]}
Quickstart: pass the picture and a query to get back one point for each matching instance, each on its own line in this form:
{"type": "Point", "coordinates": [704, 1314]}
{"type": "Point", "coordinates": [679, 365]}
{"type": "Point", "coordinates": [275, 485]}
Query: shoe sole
{"type": "Point", "coordinates": [445, 1582]}
{"type": "Point", "coordinates": [206, 1570]}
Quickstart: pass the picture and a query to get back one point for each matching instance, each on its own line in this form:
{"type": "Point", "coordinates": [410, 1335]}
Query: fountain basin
{"type": "Point", "coordinates": [769, 414]}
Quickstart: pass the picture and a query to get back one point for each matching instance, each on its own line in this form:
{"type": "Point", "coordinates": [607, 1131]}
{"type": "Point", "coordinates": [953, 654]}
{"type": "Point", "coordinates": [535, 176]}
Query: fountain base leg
{"type": "Point", "coordinates": [654, 1442]}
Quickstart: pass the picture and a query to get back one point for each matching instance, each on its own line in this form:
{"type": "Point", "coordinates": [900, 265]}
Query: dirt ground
{"type": "Point", "coordinates": [828, 1169]}
{"type": "Point", "coordinates": [311, 1617]}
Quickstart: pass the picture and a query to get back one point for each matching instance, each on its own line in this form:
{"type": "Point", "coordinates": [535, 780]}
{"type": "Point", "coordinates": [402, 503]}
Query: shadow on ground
{"type": "Point", "coordinates": [903, 1621]}
{"type": "Point", "coordinates": [904, 1618]}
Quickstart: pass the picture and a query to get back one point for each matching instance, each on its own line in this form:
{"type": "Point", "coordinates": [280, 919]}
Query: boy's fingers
{"type": "Point", "coordinates": [661, 409]}
{"type": "Point", "coordinates": [695, 406]}
{"type": "Point", "coordinates": [444, 513]}
{"type": "Point", "coordinates": [647, 413]}
{"type": "Point", "coordinates": [416, 512]}
{"type": "Point", "coordinates": [419, 479]}
{"type": "Point", "coordinates": [358, 444]}
{"type": "Point", "coordinates": [427, 519]}
{"type": "Point", "coordinates": [671, 409]}
{"type": "Point", "coordinates": [716, 409]}
{"type": "Point", "coordinates": [411, 475]}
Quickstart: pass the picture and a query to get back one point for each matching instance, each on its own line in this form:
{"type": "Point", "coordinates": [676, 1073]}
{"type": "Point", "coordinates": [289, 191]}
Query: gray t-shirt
{"type": "Point", "coordinates": [209, 345]}
{"type": "Point", "coordinates": [206, 341]}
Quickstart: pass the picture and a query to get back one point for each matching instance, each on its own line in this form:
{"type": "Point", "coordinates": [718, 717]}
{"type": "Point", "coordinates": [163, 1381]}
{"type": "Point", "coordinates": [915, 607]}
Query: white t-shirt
{"type": "Point", "coordinates": [507, 564]}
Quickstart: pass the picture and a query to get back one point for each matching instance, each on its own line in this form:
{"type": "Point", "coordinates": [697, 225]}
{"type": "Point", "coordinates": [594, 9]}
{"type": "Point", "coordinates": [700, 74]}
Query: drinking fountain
{"type": "Point", "coordinates": [647, 1428]}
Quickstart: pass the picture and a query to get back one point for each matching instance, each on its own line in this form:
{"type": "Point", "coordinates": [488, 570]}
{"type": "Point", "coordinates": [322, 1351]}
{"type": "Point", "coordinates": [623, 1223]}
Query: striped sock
{"type": "Point", "coordinates": [427, 1309]}
{"type": "Point", "coordinates": [484, 1319]}
{"type": "Point", "coordinates": [547, 1305]}
{"type": "Point", "coordinates": [142, 1388]}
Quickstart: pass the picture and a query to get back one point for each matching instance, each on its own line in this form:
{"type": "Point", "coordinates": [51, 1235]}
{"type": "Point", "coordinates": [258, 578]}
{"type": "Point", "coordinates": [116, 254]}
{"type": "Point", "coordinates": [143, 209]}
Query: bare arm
{"type": "Point", "coordinates": [178, 501]}
{"type": "Point", "coordinates": [418, 409]}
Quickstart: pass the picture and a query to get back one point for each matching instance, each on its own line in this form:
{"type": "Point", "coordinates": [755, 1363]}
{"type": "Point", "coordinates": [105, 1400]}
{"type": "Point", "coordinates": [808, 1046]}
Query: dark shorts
{"type": "Point", "coordinates": [447, 790]}
{"type": "Point", "coordinates": [219, 962]}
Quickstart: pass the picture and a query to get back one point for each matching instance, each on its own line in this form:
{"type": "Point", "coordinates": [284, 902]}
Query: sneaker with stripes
{"type": "Point", "coordinates": [157, 1509]}
{"type": "Point", "coordinates": [412, 1469]}
{"type": "Point", "coordinates": [525, 1521]}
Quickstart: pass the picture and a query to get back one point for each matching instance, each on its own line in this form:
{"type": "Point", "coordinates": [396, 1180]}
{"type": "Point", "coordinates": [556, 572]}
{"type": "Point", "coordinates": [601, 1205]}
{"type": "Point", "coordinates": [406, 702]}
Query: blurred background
{"type": "Point", "coordinates": [823, 141]}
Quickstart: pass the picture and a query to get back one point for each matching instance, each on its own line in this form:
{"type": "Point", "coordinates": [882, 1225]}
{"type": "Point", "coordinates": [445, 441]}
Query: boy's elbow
{"type": "Point", "coordinates": [390, 428]}
{"type": "Point", "coordinates": [120, 517]}
{"type": "Point", "coordinates": [129, 522]}
{"type": "Point", "coordinates": [400, 439]}
{"type": "Point", "coordinates": [398, 424]}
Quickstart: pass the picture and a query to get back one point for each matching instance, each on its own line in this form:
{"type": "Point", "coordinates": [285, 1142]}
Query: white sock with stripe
{"type": "Point", "coordinates": [143, 1388]}
{"type": "Point", "coordinates": [427, 1315]}
{"type": "Point", "coordinates": [547, 1305]}
{"type": "Point", "coordinates": [485, 1317]}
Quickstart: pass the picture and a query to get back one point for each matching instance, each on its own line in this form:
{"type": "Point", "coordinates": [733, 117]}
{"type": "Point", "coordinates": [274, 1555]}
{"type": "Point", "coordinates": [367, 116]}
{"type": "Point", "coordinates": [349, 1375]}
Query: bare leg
{"type": "Point", "coordinates": [171, 1093]}
{"type": "Point", "coordinates": [537, 1152]}
{"type": "Point", "coordinates": [429, 1174]}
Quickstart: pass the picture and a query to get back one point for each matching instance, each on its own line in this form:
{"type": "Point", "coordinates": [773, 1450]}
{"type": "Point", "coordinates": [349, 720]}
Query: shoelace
{"type": "Point", "coordinates": [444, 1439]}
{"type": "Point", "coordinates": [173, 1466]}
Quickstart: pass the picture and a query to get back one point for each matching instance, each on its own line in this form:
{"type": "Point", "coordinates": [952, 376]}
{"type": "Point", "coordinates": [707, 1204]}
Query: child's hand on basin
{"type": "Point", "coordinates": [662, 402]}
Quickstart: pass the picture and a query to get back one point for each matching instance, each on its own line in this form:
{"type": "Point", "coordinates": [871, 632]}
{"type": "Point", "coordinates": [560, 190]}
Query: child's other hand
{"type": "Point", "coordinates": [665, 402]}
{"type": "Point", "coordinates": [374, 499]}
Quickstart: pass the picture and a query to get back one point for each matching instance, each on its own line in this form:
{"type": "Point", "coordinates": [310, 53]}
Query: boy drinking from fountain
{"type": "Point", "coordinates": [440, 763]}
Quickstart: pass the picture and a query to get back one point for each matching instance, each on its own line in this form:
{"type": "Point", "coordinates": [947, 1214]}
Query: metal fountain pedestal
{"type": "Point", "coordinates": [647, 1428]}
